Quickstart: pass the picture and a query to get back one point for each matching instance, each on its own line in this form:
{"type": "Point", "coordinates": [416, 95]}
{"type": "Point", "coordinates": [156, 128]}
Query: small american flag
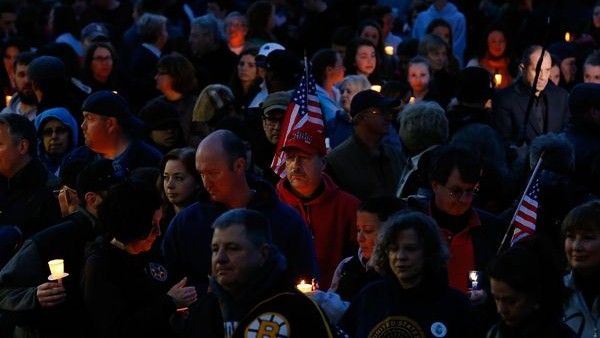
{"type": "Point", "coordinates": [525, 217]}
{"type": "Point", "coordinates": [303, 112]}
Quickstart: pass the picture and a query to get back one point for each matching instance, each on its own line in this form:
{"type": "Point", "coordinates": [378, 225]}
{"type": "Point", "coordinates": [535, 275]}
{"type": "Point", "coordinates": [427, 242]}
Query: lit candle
{"type": "Point", "coordinates": [7, 99]}
{"type": "Point", "coordinates": [304, 287]}
{"type": "Point", "coordinates": [389, 50]}
{"type": "Point", "coordinates": [57, 269]}
{"type": "Point", "coordinates": [474, 279]}
{"type": "Point", "coordinates": [568, 37]}
{"type": "Point", "coordinates": [376, 88]}
{"type": "Point", "coordinates": [411, 100]}
{"type": "Point", "coordinates": [498, 78]}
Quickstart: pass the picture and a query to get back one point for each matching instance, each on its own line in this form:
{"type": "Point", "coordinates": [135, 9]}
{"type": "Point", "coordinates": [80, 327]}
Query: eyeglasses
{"type": "Point", "coordinates": [456, 194]}
{"type": "Point", "coordinates": [48, 132]}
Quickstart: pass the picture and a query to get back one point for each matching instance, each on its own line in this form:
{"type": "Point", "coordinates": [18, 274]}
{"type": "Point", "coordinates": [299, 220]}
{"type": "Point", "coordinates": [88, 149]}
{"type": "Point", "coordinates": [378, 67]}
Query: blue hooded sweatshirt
{"type": "Point", "coordinates": [63, 115]}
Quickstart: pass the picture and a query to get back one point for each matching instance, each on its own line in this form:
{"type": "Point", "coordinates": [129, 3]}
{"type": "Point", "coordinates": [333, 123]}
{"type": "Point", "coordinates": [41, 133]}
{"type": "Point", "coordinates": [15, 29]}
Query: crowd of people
{"type": "Point", "coordinates": [139, 142]}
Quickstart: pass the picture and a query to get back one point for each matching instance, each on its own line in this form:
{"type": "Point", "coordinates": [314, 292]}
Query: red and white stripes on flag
{"type": "Point", "coordinates": [303, 112]}
{"type": "Point", "coordinates": [525, 218]}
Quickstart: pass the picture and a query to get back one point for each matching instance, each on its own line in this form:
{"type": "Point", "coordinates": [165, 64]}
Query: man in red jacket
{"type": "Point", "coordinates": [328, 211]}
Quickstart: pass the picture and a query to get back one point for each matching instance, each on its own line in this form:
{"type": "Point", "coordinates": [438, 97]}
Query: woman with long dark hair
{"type": "Point", "coordinates": [180, 184]}
{"type": "Point", "coordinates": [100, 68]}
{"type": "Point", "coordinates": [245, 83]}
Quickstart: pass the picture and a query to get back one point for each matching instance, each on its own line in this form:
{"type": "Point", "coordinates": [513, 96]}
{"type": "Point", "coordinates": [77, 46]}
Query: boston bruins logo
{"type": "Point", "coordinates": [268, 325]}
{"type": "Point", "coordinates": [397, 327]}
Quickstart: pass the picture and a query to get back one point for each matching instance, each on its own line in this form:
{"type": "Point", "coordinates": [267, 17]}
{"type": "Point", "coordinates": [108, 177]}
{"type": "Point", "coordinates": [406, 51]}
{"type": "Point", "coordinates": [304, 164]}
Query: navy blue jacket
{"type": "Point", "coordinates": [138, 154]}
{"type": "Point", "coordinates": [385, 309]}
{"type": "Point", "coordinates": [186, 245]}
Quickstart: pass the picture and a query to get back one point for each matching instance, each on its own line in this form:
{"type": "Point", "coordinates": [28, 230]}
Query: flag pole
{"type": "Point", "coordinates": [512, 221]}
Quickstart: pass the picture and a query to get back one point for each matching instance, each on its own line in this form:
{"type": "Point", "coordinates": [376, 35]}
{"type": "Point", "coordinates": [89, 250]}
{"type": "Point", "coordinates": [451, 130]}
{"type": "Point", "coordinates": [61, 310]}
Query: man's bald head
{"type": "Point", "coordinates": [221, 162]}
{"type": "Point", "coordinates": [222, 143]}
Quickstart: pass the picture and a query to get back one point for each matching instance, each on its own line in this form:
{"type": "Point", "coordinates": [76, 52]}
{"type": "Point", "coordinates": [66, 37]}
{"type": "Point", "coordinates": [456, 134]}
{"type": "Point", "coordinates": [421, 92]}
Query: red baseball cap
{"type": "Point", "coordinates": [311, 142]}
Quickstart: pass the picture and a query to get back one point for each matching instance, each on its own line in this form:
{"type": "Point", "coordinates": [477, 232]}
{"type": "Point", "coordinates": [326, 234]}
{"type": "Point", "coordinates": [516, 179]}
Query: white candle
{"type": "Point", "coordinates": [57, 268]}
{"type": "Point", "coordinates": [376, 88]}
{"type": "Point", "coordinates": [389, 50]}
{"type": "Point", "coordinates": [474, 279]}
{"type": "Point", "coordinates": [498, 78]}
{"type": "Point", "coordinates": [304, 287]}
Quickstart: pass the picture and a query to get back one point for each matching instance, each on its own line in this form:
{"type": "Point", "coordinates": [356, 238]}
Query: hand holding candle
{"type": "Point", "coordinates": [474, 280]}
{"type": "Point", "coordinates": [50, 294]}
{"type": "Point", "coordinates": [497, 79]}
{"type": "Point", "coordinates": [57, 269]}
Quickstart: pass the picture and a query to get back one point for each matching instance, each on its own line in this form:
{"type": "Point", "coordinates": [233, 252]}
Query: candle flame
{"type": "Point", "coordinates": [376, 88]}
{"type": "Point", "coordinates": [389, 50]}
{"type": "Point", "coordinates": [498, 78]}
{"type": "Point", "coordinates": [473, 276]}
{"type": "Point", "coordinates": [412, 100]}
{"type": "Point", "coordinates": [568, 37]}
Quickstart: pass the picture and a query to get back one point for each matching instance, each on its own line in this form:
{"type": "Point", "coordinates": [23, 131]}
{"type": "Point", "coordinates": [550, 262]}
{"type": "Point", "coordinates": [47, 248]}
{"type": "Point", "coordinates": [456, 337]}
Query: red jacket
{"type": "Point", "coordinates": [331, 217]}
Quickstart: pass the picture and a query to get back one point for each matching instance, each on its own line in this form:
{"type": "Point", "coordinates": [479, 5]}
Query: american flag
{"type": "Point", "coordinates": [525, 218]}
{"type": "Point", "coordinates": [303, 112]}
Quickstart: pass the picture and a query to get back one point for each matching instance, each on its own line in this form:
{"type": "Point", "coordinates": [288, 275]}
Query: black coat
{"type": "Point", "coordinates": [28, 269]}
{"type": "Point", "coordinates": [142, 72]}
{"type": "Point", "coordinates": [126, 294]}
{"type": "Point", "coordinates": [431, 309]}
{"type": "Point", "coordinates": [510, 105]}
{"type": "Point", "coordinates": [27, 201]}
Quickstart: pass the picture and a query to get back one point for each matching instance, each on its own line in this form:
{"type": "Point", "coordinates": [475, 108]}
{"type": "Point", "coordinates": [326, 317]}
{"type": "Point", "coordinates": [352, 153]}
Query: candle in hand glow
{"type": "Point", "coordinates": [376, 88]}
{"type": "Point", "coordinates": [411, 100]}
{"type": "Point", "coordinates": [568, 37]}
{"type": "Point", "coordinates": [389, 50]}
{"type": "Point", "coordinates": [498, 78]}
{"type": "Point", "coordinates": [57, 269]}
{"type": "Point", "coordinates": [474, 280]}
{"type": "Point", "coordinates": [304, 287]}
{"type": "Point", "coordinates": [7, 99]}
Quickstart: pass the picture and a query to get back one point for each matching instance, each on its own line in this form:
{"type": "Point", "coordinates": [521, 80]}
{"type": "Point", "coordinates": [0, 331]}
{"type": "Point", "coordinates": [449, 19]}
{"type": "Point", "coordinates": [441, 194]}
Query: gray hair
{"type": "Point", "coordinates": [559, 155]}
{"type": "Point", "coordinates": [149, 26]}
{"type": "Point", "coordinates": [236, 15]}
{"type": "Point", "coordinates": [360, 81]}
{"type": "Point", "coordinates": [422, 125]}
{"type": "Point", "coordinates": [210, 23]}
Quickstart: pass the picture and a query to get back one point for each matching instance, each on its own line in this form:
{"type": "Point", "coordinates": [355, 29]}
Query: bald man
{"type": "Point", "coordinates": [221, 161]}
{"type": "Point", "coordinates": [550, 110]}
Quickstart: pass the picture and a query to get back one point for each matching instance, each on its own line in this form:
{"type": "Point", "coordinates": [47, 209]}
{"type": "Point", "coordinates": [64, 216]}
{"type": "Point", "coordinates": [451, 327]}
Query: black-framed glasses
{"type": "Point", "coordinates": [48, 132]}
{"type": "Point", "coordinates": [456, 194]}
